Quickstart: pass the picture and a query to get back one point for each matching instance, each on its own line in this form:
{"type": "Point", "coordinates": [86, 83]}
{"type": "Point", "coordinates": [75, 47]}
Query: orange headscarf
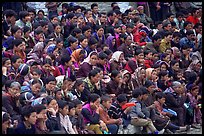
{"type": "Point", "coordinates": [75, 56]}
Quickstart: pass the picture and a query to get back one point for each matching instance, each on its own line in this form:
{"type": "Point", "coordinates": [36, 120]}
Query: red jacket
{"type": "Point", "coordinates": [148, 63]}
{"type": "Point", "coordinates": [137, 38]}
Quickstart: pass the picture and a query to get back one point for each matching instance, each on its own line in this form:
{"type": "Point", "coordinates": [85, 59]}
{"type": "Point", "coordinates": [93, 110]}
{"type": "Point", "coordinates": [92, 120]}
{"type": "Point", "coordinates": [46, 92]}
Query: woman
{"type": "Point", "coordinates": [36, 86]}
{"type": "Point", "coordinates": [78, 90]}
{"type": "Point", "coordinates": [151, 74]}
{"type": "Point", "coordinates": [6, 122]}
{"type": "Point", "coordinates": [110, 41]}
{"type": "Point", "coordinates": [73, 43]}
{"type": "Point", "coordinates": [77, 57]}
{"type": "Point", "coordinates": [117, 61]}
{"type": "Point", "coordinates": [57, 31]}
{"type": "Point", "coordinates": [87, 65]}
{"type": "Point", "coordinates": [139, 77]}
{"type": "Point", "coordinates": [127, 82]}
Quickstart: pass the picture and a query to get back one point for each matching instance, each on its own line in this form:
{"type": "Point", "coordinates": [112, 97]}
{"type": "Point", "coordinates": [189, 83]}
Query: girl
{"type": "Point", "coordinates": [78, 90]}
{"type": "Point", "coordinates": [87, 65]}
{"type": "Point", "coordinates": [77, 57]}
{"type": "Point", "coordinates": [57, 31]}
{"type": "Point", "coordinates": [73, 43]}
{"type": "Point", "coordinates": [110, 41]}
{"type": "Point", "coordinates": [36, 87]}
{"type": "Point", "coordinates": [139, 77]}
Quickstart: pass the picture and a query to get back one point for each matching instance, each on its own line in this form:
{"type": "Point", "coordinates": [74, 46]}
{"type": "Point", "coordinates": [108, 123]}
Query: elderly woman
{"type": "Point", "coordinates": [117, 61]}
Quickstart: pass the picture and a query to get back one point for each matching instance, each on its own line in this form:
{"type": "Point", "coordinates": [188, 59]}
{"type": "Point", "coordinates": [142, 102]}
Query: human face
{"type": "Point", "coordinates": [140, 57]}
{"type": "Point", "coordinates": [107, 104]}
{"type": "Point", "coordinates": [75, 44]}
{"type": "Point", "coordinates": [58, 29]}
{"type": "Point", "coordinates": [95, 78]}
{"type": "Point", "coordinates": [154, 75]}
{"type": "Point", "coordinates": [95, 9]}
{"type": "Point", "coordinates": [42, 115]}
{"type": "Point", "coordinates": [36, 88]}
{"type": "Point", "coordinates": [47, 67]}
{"type": "Point", "coordinates": [189, 27]}
{"type": "Point", "coordinates": [6, 125]}
{"type": "Point", "coordinates": [14, 91]}
{"type": "Point", "coordinates": [13, 20]}
{"type": "Point", "coordinates": [93, 60]}
{"type": "Point", "coordinates": [198, 67]}
{"type": "Point", "coordinates": [195, 92]}
{"type": "Point", "coordinates": [72, 112]}
{"type": "Point", "coordinates": [84, 43]}
{"type": "Point", "coordinates": [67, 85]}
{"type": "Point", "coordinates": [53, 104]}
{"type": "Point", "coordinates": [118, 77]}
{"type": "Point", "coordinates": [100, 32]}
{"type": "Point", "coordinates": [169, 38]}
{"type": "Point", "coordinates": [78, 108]}
{"type": "Point", "coordinates": [64, 111]}
{"type": "Point", "coordinates": [167, 58]}
{"type": "Point", "coordinates": [35, 75]}
{"type": "Point", "coordinates": [18, 34]}
{"type": "Point", "coordinates": [32, 118]}
{"type": "Point", "coordinates": [18, 63]}
{"type": "Point", "coordinates": [74, 20]}
{"type": "Point", "coordinates": [159, 27]}
{"type": "Point", "coordinates": [144, 97]}
{"type": "Point", "coordinates": [8, 64]}
{"type": "Point", "coordinates": [149, 55]}
{"type": "Point", "coordinates": [168, 27]}
{"type": "Point", "coordinates": [55, 20]}
{"type": "Point", "coordinates": [81, 87]}
{"type": "Point", "coordinates": [163, 67]}
{"type": "Point", "coordinates": [22, 46]}
{"type": "Point", "coordinates": [162, 100]}
{"type": "Point", "coordinates": [32, 15]}
{"type": "Point", "coordinates": [142, 74]}
{"type": "Point", "coordinates": [127, 77]}
{"type": "Point", "coordinates": [103, 18]}
{"type": "Point", "coordinates": [59, 95]}
{"type": "Point", "coordinates": [178, 89]}
{"type": "Point", "coordinates": [158, 42]}
{"type": "Point", "coordinates": [176, 66]}
{"type": "Point", "coordinates": [121, 58]}
{"type": "Point", "coordinates": [51, 85]}
{"type": "Point", "coordinates": [87, 33]}
{"type": "Point", "coordinates": [60, 45]}
{"type": "Point", "coordinates": [40, 15]}
{"type": "Point", "coordinates": [95, 104]}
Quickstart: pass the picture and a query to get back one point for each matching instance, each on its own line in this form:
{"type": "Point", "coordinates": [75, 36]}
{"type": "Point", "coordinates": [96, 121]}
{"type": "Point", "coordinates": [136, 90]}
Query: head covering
{"type": "Point", "coordinates": [23, 69]}
{"type": "Point", "coordinates": [145, 29]}
{"type": "Point", "coordinates": [109, 41]}
{"type": "Point", "coordinates": [3, 114]}
{"type": "Point", "coordinates": [149, 72]}
{"type": "Point", "coordinates": [140, 7]}
{"type": "Point", "coordinates": [116, 56]}
{"type": "Point", "coordinates": [87, 59]}
{"type": "Point", "coordinates": [174, 50]}
{"type": "Point", "coordinates": [124, 72]}
{"type": "Point", "coordinates": [38, 47]}
{"type": "Point", "coordinates": [51, 48]}
{"type": "Point", "coordinates": [25, 89]}
{"type": "Point", "coordinates": [75, 55]}
{"type": "Point", "coordinates": [26, 97]}
{"type": "Point", "coordinates": [40, 100]}
{"type": "Point", "coordinates": [175, 84]}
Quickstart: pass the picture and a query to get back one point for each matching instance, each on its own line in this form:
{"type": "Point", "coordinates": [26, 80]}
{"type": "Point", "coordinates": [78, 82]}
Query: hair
{"type": "Point", "coordinates": [162, 73]}
{"type": "Point", "coordinates": [138, 51]}
{"type": "Point", "coordinates": [76, 102]}
{"type": "Point", "coordinates": [186, 23]}
{"type": "Point", "coordinates": [99, 27]}
{"type": "Point", "coordinates": [35, 81]}
{"type": "Point", "coordinates": [38, 71]}
{"type": "Point", "coordinates": [167, 34]}
{"type": "Point", "coordinates": [10, 13]}
{"type": "Point", "coordinates": [78, 83]}
{"type": "Point", "coordinates": [179, 14]}
{"type": "Point", "coordinates": [93, 73]}
{"type": "Point", "coordinates": [157, 23]}
{"type": "Point", "coordinates": [76, 31]}
{"type": "Point", "coordinates": [14, 29]}
{"type": "Point", "coordinates": [169, 14]}
{"type": "Point", "coordinates": [65, 59]}
{"type": "Point", "coordinates": [72, 40]}
{"type": "Point", "coordinates": [71, 105]}
{"type": "Point", "coordinates": [113, 3]}
{"type": "Point", "coordinates": [156, 37]}
{"type": "Point", "coordinates": [173, 62]}
{"type": "Point", "coordinates": [93, 97]}
{"type": "Point", "coordinates": [102, 55]}
{"type": "Point", "coordinates": [39, 107]}
{"type": "Point", "coordinates": [47, 61]}
{"type": "Point", "coordinates": [110, 13]}
{"type": "Point", "coordinates": [173, 23]}
{"type": "Point", "coordinates": [94, 5]}
{"type": "Point", "coordinates": [81, 38]}
{"type": "Point", "coordinates": [114, 73]}
{"type": "Point", "coordinates": [144, 90]}
{"type": "Point", "coordinates": [49, 99]}
{"type": "Point", "coordinates": [122, 98]}
{"type": "Point", "coordinates": [38, 31]}
{"type": "Point", "coordinates": [105, 98]}
{"type": "Point", "coordinates": [177, 34]}
{"type": "Point", "coordinates": [26, 111]}
{"type": "Point", "coordinates": [136, 93]}
{"type": "Point", "coordinates": [160, 95]}
{"type": "Point", "coordinates": [26, 29]}
{"type": "Point", "coordinates": [41, 11]}
{"type": "Point", "coordinates": [50, 78]}
{"type": "Point", "coordinates": [108, 51]}
{"type": "Point", "coordinates": [62, 103]}
{"type": "Point", "coordinates": [4, 60]}
{"type": "Point", "coordinates": [85, 28]}
{"type": "Point", "coordinates": [197, 25]}
{"type": "Point", "coordinates": [17, 42]}
{"type": "Point", "coordinates": [189, 32]}
{"type": "Point", "coordinates": [23, 14]}
{"type": "Point", "coordinates": [5, 117]}
{"type": "Point", "coordinates": [146, 52]}
{"type": "Point", "coordinates": [163, 55]}
{"type": "Point", "coordinates": [14, 58]}
{"type": "Point", "coordinates": [92, 41]}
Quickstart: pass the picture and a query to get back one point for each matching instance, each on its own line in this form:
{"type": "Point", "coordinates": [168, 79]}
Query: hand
{"type": "Point", "coordinates": [103, 125]}
{"type": "Point", "coordinates": [127, 110]}
{"type": "Point", "coordinates": [15, 123]}
{"type": "Point", "coordinates": [198, 97]}
{"type": "Point", "coordinates": [52, 111]}
{"type": "Point", "coordinates": [169, 114]}
{"type": "Point", "coordinates": [158, 7]}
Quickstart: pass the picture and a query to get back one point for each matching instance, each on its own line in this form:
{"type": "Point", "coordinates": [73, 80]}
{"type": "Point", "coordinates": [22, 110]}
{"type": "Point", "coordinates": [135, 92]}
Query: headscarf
{"type": "Point", "coordinates": [109, 41]}
{"type": "Point", "coordinates": [35, 53]}
{"type": "Point", "coordinates": [116, 56]}
{"type": "Point", "coordinates": [149, 72]}
{"type": "Point", "coordinates": [51, 48]}
{"type": "Point", "coordinates": [75, 55]}
{"type": "Point", "coordinates": [174, 50]}
{"type": "Point", "coordinates": [87, 59]}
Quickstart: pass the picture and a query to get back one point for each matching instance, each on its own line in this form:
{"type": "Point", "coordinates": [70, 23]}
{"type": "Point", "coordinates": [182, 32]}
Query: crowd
{"type": "Point", "coordinates": [81, 71]}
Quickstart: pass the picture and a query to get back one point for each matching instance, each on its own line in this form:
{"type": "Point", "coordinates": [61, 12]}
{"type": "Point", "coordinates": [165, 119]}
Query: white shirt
{"type": "Point", "coordinates": [66, 123]}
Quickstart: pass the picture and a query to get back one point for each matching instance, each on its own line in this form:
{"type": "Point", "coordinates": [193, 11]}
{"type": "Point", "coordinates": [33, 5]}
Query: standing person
{"type": "Point", "coordinates": [155, 11]}
{"type": "Point", "coordinates": [165, 9]}
{"type": "Point", "coordinates": [52, 8]}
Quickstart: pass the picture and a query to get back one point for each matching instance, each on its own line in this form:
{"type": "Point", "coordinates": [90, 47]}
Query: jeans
{"type": "Point", "coordinates": [113, 128]}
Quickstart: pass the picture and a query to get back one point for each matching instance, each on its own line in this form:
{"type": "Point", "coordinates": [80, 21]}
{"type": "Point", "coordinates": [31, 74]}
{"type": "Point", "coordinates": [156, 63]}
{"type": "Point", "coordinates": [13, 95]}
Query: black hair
{"type": "Point", "coordinates": [173, 62]}
{"type": "Point", "coordinates": [35, 81]}
{"type": "Point", "coordinates": [14, 29]}
{"type": "Point", "coordinates": [162, 73]}
{"type": "Point", "coordinates": [86, 11]}
{"type": "Point", "coordinates": [157, 23]}
{"type": "Point", "coordinates": [23, 14]}
{"type": "Point", "coordinates": [102, 55]}
{"type": "Point", "coordinates": [62, 103]}
{"type": "Point", "coordinates": [65, 59]}
{"type": "Point", "coordinates": [94, 5]}
{"type": "Point", "coordinates": [67, 79]}
{"type": "Point", "coordinates": [78, 83]}
{"type": "Point", "coordinates": [136, 93]}
{"type": "Point", "coordinates": [93, 97]}
{"type": "Point", "coordinates": [156, 37]}
{"type": "Point", "coordinates": [146, 52]}
{"type": "Point", "coordinates": [160, 95]}
{"type": "Point", "coordinates": [169, 14]}
{"type": "Point", "coordinates": [144, 90]}
{"type": "Point", "coordinates": [39, 107]}
{"type": "Point", "coordinates": [93, 73]}
{"type": "Point", "coordinates": [116, 9]}
{"type": "Point", "coordinates": [113, 3]}
{"type": "Point", "coordinates": [167, 33]}
{"type": "Point", "coordinates": [26, 29]}
{"type": "Point", "coordinates": [53, 16]}
{"type": "Point", "coordinates": [177, 34]}
{"type": "Point", "coordinates": [124, 14]}
{"type": "Point", "coordinates": [108, 51]}
{"type": "Point", "coordinates": [17, 42]}
{"type": "Point", "coordinates": [77, 7]}
{"type": "Point", "coordinates": [99, 27]}
{"type": "Point", "coordinates": [65, 5]}
{"type": "Point", "coordinates": [38, 71]}
{"type": "Point", "coordinates": [92, 41]}
{"type": "Point", "coordinates": [81, 38]}
{"type": "Point", "coordinates": [72, 39]}
{"type": "Point", "coordinates": [105, 98]}
{"type": "Point", "coordinates": [85, 28]}
{"type": "Point", "coordinates": [49, 99]}
{"type": "Point", "coordinates": [197, 25]}
{"type": "Point", "coordinates": [165, 24]}
{"type": "Point", "coordinates": [110, 13]}
{"type": "Point", "coordinates": [122, 98]}
{"type": "Point", "coordinates": [76, 102]}
{"type": "Point", "coordinates": [179, 14]}
{"type": "Point", "coordinates": [58, 40]}
{"type": "Point", "coordinates": [41, 11]}
{"type": "Point", "coordinates": [14, 58]}
{"type": "Point", "coordinates": [189, 32]}
{"type": "Point", "coordinates": [4, 60]}
{"type": "Point", "coordinates": [47, 61]}
{"type": "Point", "coordinates": [10, 13]}
{"type": "Point", "coordinates": [26, 111]}
{"type": "Point", "coordinates": [5, 117]}
{"type": "Point", "coordinates": [76, 31]}
{"type": "Point", "coordinates": [173, 23]}
{"type": "Point", "coordinates": [38, 31]}
{"type": "Point", "coordinates": [50, 78]}
{"type": "Point", "coordinates": [114, 73]}
{"type": "Point", "coordinates": [31, 10]}
{"type": "Point", "coordinates": [101, 13]}
{"type": "Point", "coordinates": [186, 23]}
{"type": "Point", "coordinates": [138, 51]}
{"type": "Point", "coordinates": [71, 105]}
{"type": "Point", "coordinates": [43, 23]}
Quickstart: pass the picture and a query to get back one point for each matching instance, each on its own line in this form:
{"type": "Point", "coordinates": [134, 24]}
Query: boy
{"type": "Point", "coordinates": [148, 58]}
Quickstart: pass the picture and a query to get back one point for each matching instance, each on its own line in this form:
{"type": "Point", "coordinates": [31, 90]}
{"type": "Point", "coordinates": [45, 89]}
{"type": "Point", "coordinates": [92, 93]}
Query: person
{"type": "Point", "coordinates": [166, 42]}
{"type": "Point", "coordinates": [6, 122]}
{"type": "Point", "coordinates": [72, 114]}
{"type": "Point", "coordinates": [117, 61]}
{"type": "Point", "coordinates": [90, 112]}
{"type": "Point", "coordinates": [112, 124]}
{"type": "Point", "coordinates": [77, 57]}
{"type": "Point", "coordinates": [24, 19]}
{"type": "Point", "coordinates": [52, 8]}
{"type": "Point", "coordinates": [138, 118]}
{"type": "Point", "coordinates": [29, 117]}
{"type": "Point", "coordinates": [64, 118]}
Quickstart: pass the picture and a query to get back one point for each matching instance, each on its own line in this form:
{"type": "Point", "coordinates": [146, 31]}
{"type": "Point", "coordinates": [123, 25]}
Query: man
{"type": "Point", "coordinates": [24, 19]}
{"type": "Point", "coordinates": [188, 40]}
{"type": "Point", "coordinates": [95, 13]}
{"type": "Point", "coordinates": [52, 8]}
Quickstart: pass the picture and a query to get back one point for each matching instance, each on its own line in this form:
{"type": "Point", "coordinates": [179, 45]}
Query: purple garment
{"type": "Point", "coordinates": [141, 3]}
{"type": "Point", "coordinates": [109, 42]}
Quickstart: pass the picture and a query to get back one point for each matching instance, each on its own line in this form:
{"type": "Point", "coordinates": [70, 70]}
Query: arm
{"type": "Point", "coordinates": [93, 119]}
{"type": "Point", "coordinates": [70, 128]}
{"type": "Point", "coordinates": [106, 119]}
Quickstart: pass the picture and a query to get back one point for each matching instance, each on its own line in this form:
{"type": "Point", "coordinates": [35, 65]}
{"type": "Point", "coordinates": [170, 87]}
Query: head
{"type": "Point", "coordinates": [52, 103]}
{"type": "Point", "coordinates": [156, 39]}
{"type": "Point", "coordinates": [160, 97]}
{"type": "Point", "coordinates": [100, 30]}
{"type": "Point", "coordinates": [50, 83]}
{"type": "Point", "coordinates": [36, 86]}
{"type": "Point", "coordinates": [19, 45]}
{"type": "Point", "coordinates": [106, 101]}
{"type": "Point", "coordinates": [16, 32]}
{"type": "Point", "coordinates": [78, 106]}
{"type": "Point", "coordinates": [150, 86]}
{"type": "Point", "coordinates": [194, 90]}
{"type": "Point", "coordinates": [67, 84]}
{"type": "Point", "coordinates": [66, 61]}
{"type": "Point", "coordinates": [102, 58]}
{"type": "Point", "coordinates": [29, 114]}
{"type": "Point", "coordinates": [116, 76]}
{"type": "Point", "coordinates": [190, 35]}
{"type": "Point", "coordinates": [93, 58]}
{"type": "Point", "coordinates": [6, 121]}
{"type": "Point", "coordinates": [6, 62]}
{"type": "Point", "coordinates": [15, 89]}
{"type": "Point", "coordinates": [94, 101]}
{"type": "Point", "coordinates": [83, 41]}
{"type": "Point", "coordinates": [86, 30]}
{"type": "Point", "coordinates": [73, 42]}
{"type": "Point", "coordinates": [177, 87]}
{"type": "Point", "coordinates": [145, 93]}
{"type": "Point", "coordinates": [94, 76]}
{"type": "Point", "coordinates": [139, 55]}
{"type": "Point", "coordinates": [94, 8]}
{"type": "Point", "coordinates": [175, 65]}
{"type": "Point", "coordinates": [137, 93]}
{"type": "Point", "coordinates": [58, 94]}
{"type": "Point", "coordinates": [92, 43]}
{"type": "Point", "coordinates": [63, 107]}
{"type": "Point", "coordinates": [41, 112]}
{"type": "Point", "coordinates": [122, 99]}
{"type": "Point", "coordinates": [163, 75]}
{"type": "Point", "coordinates": [79, 85]}
{"type": "Point", "coordinates": [47, 63]}
{"type": "Point", "coordinates": [40, 14]}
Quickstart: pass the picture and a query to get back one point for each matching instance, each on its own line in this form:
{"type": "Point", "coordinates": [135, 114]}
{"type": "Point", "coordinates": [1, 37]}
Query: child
{"type": "Point", "coordinates": [58, 94]}
{"type": "Point", "coordinates": [66, 89]}
{"type": "Point", "coordinates": [78, 90]}
{"type": "Point", "coordinates": [112, 124]}
{"type": "Point", "coordinates": [64, 118]}
{"type": "Point", "coordinates": [29, 117]}
{"type": "Point", "coordinates": [148, 59]}
{"type": "Point", "coordinates": [71, 114]}
{"type": "Point", "coordinates": [138, 118]}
